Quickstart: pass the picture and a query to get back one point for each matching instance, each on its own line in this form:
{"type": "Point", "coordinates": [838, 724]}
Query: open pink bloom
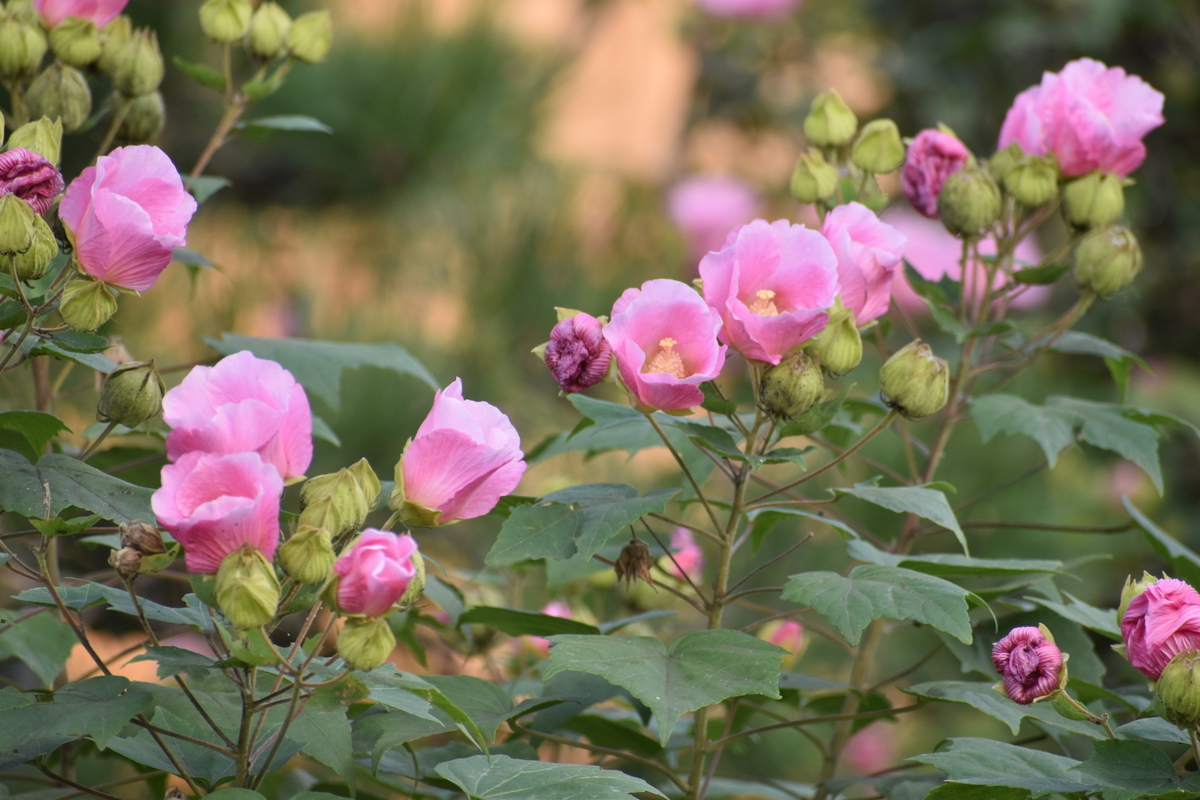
{"type": "Point", "coordinates": [213, 504]}
{"type": "Point", "coordinates": [707, 207]}
{"type": "Point", "coordinates": [1090, 117]}
{"type": "Point", "coordinates": [1029, 664]}
{"type": "Point", "coordinates": [748, 8]}
{"type": "Point", "coordinates": [1159, 624]}
{"type": "Point", "coordinates": [932, 157]}
{"type": "Point", "coordinates": [868, 253]}
{"type": "Point", "coordinates": [30, 177]}
{"type": "Point", "coordinates": [771, 283]}
{"type": "Point", "coordinates": [664, 337]}
{"type": "Point", "coordinates": [870, 750]}
{"type": "Point", "coordinates": [126, 215]}
{"type": "Point", "coordinates": [688, 555]}
{"type": "Point", "coordinates": [578, 355]}
{"type": "Point", "coordinates": [100, 12]}
{"type": "Point", "coordinates": [465, 457]}
{"type": "Point", "coordinates": [244, 404]}
{"type": "Point", "coordinates": [374, 573]}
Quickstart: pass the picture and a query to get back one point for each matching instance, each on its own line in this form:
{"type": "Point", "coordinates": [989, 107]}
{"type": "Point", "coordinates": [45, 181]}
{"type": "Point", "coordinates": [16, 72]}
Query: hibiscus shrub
{"type": "Point", "coordinates": [287, 686]}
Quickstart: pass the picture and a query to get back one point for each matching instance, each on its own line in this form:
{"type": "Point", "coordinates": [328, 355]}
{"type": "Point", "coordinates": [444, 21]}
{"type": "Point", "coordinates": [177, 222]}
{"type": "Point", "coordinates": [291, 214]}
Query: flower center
{"type": "Point", "coordinates": [764, 306]}
{"type": "Point", "coordinates": [667, 360]}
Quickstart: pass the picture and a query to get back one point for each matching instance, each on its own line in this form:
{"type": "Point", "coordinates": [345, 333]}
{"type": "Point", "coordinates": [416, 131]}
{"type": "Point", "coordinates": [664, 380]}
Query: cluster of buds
{"type": "Point", "coordinates": [877, 148]}
{"type": "Point", "coordinates": [138, 539]}
{"type": "Point", "coordinates": [268, 32]}
{"type": "Point", "coordinates": [332, 507]}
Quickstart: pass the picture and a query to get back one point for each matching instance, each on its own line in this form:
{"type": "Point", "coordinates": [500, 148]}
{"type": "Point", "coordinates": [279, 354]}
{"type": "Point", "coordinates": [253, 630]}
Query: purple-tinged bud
{"type": "Point", "coordinates": [30, 177]}
{"type": "Point", "coordinates": [1030, 664]}
{"type": "Point", "coordinates": [578, 355]}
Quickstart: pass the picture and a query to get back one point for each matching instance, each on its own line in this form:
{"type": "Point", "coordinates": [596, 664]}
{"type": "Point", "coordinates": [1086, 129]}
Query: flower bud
{"type": "Point", "coordinates": [112, 37]}
{"type": "Point", "coordinates": [308, 555]}
{"type": "Point", "coordinates": [125, 561]}
{"type": "Point", "coordinates": [22, 47]}
{"type": "Point", "coordinates": [1133, 589]}
{"type": "Point", "coordinates": [247, 589]}
{"type": "Point", "coordinates": [16, 225]}
{"type": "Point", "coordinates": [1093, 201]}
{"type": "Point", "coordinates": [86, 305]}
{"type": "Point", "coordinates": [791, 387]}
{"type": "Point", "coordinates": [914, 381]}
{"type": "Point", "coordinates": [1179, 689]}
{"type": "Point", "coordinates": [76, 42]}
{"type": "Point", "coordinates": [142, 537]}
{"type": "Point", "coordinates": [365, 643]}
{"type": "Point", "coordinates": [814, 178]}
{"type": "Point", "coordinates": [577, 354]}
{"type": "Point", "coordinates": [830, 122]}
{"type": "Point", "coordinates": [144, 119]}
{"type": "Point", "coordinates": [132, 393]}
{"type": "Point", "coordinates": [1033, 181]}
{"type": "Point", "coordinates": [1030, 664]}
{"type": "Point", "coordinates": [42, 136]}
{"type": "Point", "coordinates": [1004, 161]}
{"type": "Point", "coordinates": [62, 92]}
{"type": "Point", "coordinates": [839, 347]}
{"type": "Point", "coordinates": [878, 148]}
{"type": "Point", "coordinates": [416, 584]}
{"type": "Point", "coordinates": [969, 201]}
{"type": "Point", "coordinates": [24, 11]}
{"type": "Point", "coordinates": [340, 502]}
{"type": "Point", "coordinates": [635, 562]}
{"type": "Point", "coordinates": [138, 65]}
{"type": "Point", "coordinates": [226, 21]}
{"type": "Point", "coordinates": [33, 263]}
{"type": "Point", "coordinates": [1107, 260]}
{"type": "Point", "coordinates": [310, 37]}
{"type": "Point", "coordinates": [268, 31]}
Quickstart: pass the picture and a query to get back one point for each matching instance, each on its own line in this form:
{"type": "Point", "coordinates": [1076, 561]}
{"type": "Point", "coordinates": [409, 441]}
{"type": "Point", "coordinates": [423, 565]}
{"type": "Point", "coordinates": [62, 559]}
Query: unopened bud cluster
{"type": "Point", "coordinates": [268, 31]}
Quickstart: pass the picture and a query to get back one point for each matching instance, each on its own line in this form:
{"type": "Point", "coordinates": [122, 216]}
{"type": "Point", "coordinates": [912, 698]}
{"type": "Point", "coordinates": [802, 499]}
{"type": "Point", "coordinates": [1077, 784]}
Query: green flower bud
{"type": "Point", "coordinates": [61, 92]}
{"type": "Point", "coordinates": [814, 178]}
{"type": "Point", "coordinates": [791, 387]}
{"type": "Point", "coordinates": [914, 381]}
{"type": "Point", "coordinates": [878, 148]}
{"type": "Point", "coordinates": [310, 37]}
{"type": "Point", "coordinates": [839, 347]}
{"type": "Point", "coordinates": [132, 393]}
{"type": "Point", "coordinates": [1107, 260]}
{"type": "Point", "coordinates": [76, 42]}
{"type": "Point", "coordinates": [1093, 201]}
{"type": "Point", "coordinates": [112, 37]}
{"type": "Point", "coordinates": [33, 263]}
{"type": "Point", "coordinates": [1133, 589]}
{"type": "Point", "coordinates": [226, 21]}
{"type": "Point", "coordinates": [247, 589]}
{"type": "Point", "coordinates": [1003, 162]}
{"type": "Point", "coordinates": [969, 201]}
{"type": "Point", "coordinates": [1179, 689]}
{"type": "Point", "coordinates": [1033, 181]}
{"type": "Point", "coordinates": [23, 11]}
{"type": "Point", "coordinates": [268, 31]}
{"type": "Point", "coordinates": [416, 587]}
{"type": "Point", "coordinates": [41, 136]}
{"type": "Point", "coordinates": [16, 225]}
{"type": "Point", "coordinates": [350, 494]}
{"type": "Point", "coordinates": [365, 643]}
{"type": "Point", "coordinates": [138, 65]}
{"type": "Point", "coordinates": [86, 305]}
{"type": "Point", "coordinates": [144, 119]}
{"type": "Point", "coordinates": [308, 555]}
{"type": "Point", "coordinates": [830, 122]}
{"type": "Point", "coordinates": [22, 47]}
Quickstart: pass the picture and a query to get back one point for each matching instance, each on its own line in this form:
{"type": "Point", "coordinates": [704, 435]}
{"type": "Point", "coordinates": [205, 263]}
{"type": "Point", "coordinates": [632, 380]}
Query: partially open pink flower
{"type": "Point", "coordinates": [30, 177]}
{"type": "Point", "coordinates": [1160, 623]}
{"type": "Point", "coordinates": [213, 504]}
{"type": "Point", "coordinates": [578, 355]}
{"type": "Point", "coordinates": [748, 8]}
{"type": "Point", "coordinates": [244, 404]}
{"type": "Point", "coordinates": [932, 157]}
{"type": "Point", "coordinates": [707, 207]}
{"type": "Point", "coordinates": [126, 215]}
{"type": "Point", "coordinates": [771, 284]}
{"type": "Point", "coordinates": [100, 12]}
{"type": "Point", "coordinates": [1029, 664]}
{"type": "Point", "coordinates": [688, 555]}
{"type": "Point", "coordinates": [664, 337]}
{"type": "Point", "coordinates": [868, 254]}
{"type": "Point", "coordinates": [374, 573]}
{"type": "Point", "coordinates": [1088, 116]}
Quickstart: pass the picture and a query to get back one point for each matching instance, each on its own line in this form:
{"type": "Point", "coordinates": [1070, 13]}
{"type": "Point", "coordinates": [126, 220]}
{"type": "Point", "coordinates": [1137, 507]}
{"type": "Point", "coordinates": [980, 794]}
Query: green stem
{"type": "Point", "coordinates": [242, 751]}
{"type": "Point", "coordinates": [683, 466]}
{"type": "Point", "coordinates": [623, 754]}
{"type": "Point", "coordinates": [841, 733]}
{"type": "Point", "coordinates": [16, 348]}
{"type": "Point", "coordinates": [842, 719]}
{"type": "Point", "coordinates": [114, 126]}
{"type": "Point", "coordinates": [96, 442]}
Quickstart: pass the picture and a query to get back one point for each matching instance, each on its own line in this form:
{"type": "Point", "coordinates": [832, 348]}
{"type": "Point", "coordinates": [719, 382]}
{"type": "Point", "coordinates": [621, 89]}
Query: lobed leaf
{"type": "Point", "coordinates": [504, 778]}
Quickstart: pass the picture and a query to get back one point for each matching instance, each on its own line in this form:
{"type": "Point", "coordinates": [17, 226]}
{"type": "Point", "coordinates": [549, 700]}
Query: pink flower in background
{"type": "Point", "coordinates": [126, 215]}
{"type": "Point", "coordinates": [707, 208]}
{"type": "Point", "coordinates": [30, 177]}
{"type": "Point", "coordinates": [100, 12]}
{"type": "Point", "coordinates": [1090, 117]}
{"type": "Point", "coordinates": [539, 644]}
{"type": "Point", "coordinates": [871, 750]}
{"type": "Point", "coordinates": [374, 573]}
{"type": "Point", "coordinates": [664, 337]}
{"type": "Point", "coordinates": [748, 8]}
{"type": "Point", "coordinates": [578, 355]}
{"type": "Point", "coordinates": [465, 456]}
{"type": "Point", "coordinates": [1029, 664]}
{"type": "Point", "coordinates": [932, 157]}
{"type": "Point", "coordinates": [213, 504]}
{"type": "Point", "coordinates": [868, 253]}
{"type": "Point", "coordinates": [1160, 623]}
{"type": "Point", "coordinates": [244, 404]}
{"type": "Point", "coordinates": [687, 553]}
{"type": "Point", "coordinates": [771, 284]}
{"type": "Point", "coordinates": [788, 634]}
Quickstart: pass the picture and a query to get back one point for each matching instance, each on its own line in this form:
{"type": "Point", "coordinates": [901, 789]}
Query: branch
{"type": "Point", "coordinates": [549, 737]}
{"type": "Point", "coordinates": [868, 436]}
{"type": "Point", "coordinates": [887, 712]}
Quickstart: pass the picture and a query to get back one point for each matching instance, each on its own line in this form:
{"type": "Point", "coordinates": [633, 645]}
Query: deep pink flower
{"type": "Point", "coordinates": [374, 573]}
{"type": "Point", "coordinates": [871, 750]}
{"type": "Point", "coordinates": [30, 177]}
{"type": "Point", "coordinates": [771, 284]}
{"type": "Point", "coordinates": [213, 504]}
{"type": "Point", "coordinates": [687, 553]}
{"type": "Point", "coordinates": [465, 457]}
{"type": "Point", "coordinates": [1160, 623]}
{"type": "Point", "coordinates": [748, 8]}
{"type": "Point", "coordinates": [868, 254]}
{"type": "Point", "coordinates": [1090, 117]}
{"type": "Point", "coordinates": [100, 12]}
{"type": "Point", "coordinates": [932, 157]}
{"type": "Point", "coordinates": [126, 214]}
{"type": "Point", "coordinates": [706, 208]}
{"type": "Point", "coordinates": [578, 355]}
{"type": "Point", "coordinates": [1029, 663]}
{"type": "Point", "coordinates": [664, 337]}
{"type": "Point", "coordinates": [244, 404]}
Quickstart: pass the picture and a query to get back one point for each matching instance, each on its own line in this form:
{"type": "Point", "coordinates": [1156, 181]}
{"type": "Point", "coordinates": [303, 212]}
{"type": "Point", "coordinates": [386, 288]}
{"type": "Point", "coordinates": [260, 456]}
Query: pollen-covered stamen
{"type": "Point", "coordinates": [764, 306]}
{"type": "Point", "coordinates": [667, 360]}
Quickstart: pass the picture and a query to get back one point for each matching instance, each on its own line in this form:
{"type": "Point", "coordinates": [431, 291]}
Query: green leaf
{"type": "Point", "coordinates": [203, 187]}
{"type": "Point", "coordinates": [58, 482]}
{"type": "Point", "coordinates": [1103, 425]}
{"type": "Point", "coordinates": [1041, 275]}
{"type": "Point", "coordinates": [38, 428]}
{"type": "Point", "coordinates": [61, 346]}
{"type": "Point", "coordinates": [192, 258]}
{"type": "Point", "coordinates": [767, 519]}
{"type": "Point", "coordinates": [808, 683]}
{"type": "Point", "coordinates": [950, 564]}
{"type": "Point", "coordinates": [288, 122]}
{"type": "Point", "coordinates": [614, 734]}
{"type": "Point", "coordinates": [1139, 768]}
{"type": "Point", "coordinates": [1156, 729]}
{"type": "Point", "coordinates": [532, 532]}
{"type": "Point", "coordinates": [1086, 344]}
{"type": "Point", "coordinates": [326, 738]}
{"type": "Point", "coordinates": [524, 623]}
{"type": "Point", "coordinates": [43, 642]}
{"type": "Point", "coordinates": [714, 403]}
{"type": "Point", "coordinates": [991, 702]}
{"type": "Point", "coordinates": [1183, 560]}
{"type": "Point", "coordinates": [872, 591]}
{"type": "Point", "coordinates": [89, 594]}
{"type": "Point", "coordinates": [926, 503]}
{"type": "Point", "coordinates": [66, 527]}
{"type": "Point", "coordinates": [960, 791]}
{"type": "Point", "coordinates": [231, 793]}
{"type": "Point", "coordinates": [1101, 620]}
{"type": "Point", "coordinates": [504, 778]}
{"type": "Point", "coordinates": [318, 366]}
{"type": "Point", "coordinates": [260, 89]}
{"type": "Point", "coordinates": [699, 669]}
{"type": "Point", "coordinates": [201, 74]}
{"type": "Point", "coordinates": [985, 762]}
{"type": "Point", "coordinates": [176, 661]}
{"type": "Point", "coordinates": [1004, 413]}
